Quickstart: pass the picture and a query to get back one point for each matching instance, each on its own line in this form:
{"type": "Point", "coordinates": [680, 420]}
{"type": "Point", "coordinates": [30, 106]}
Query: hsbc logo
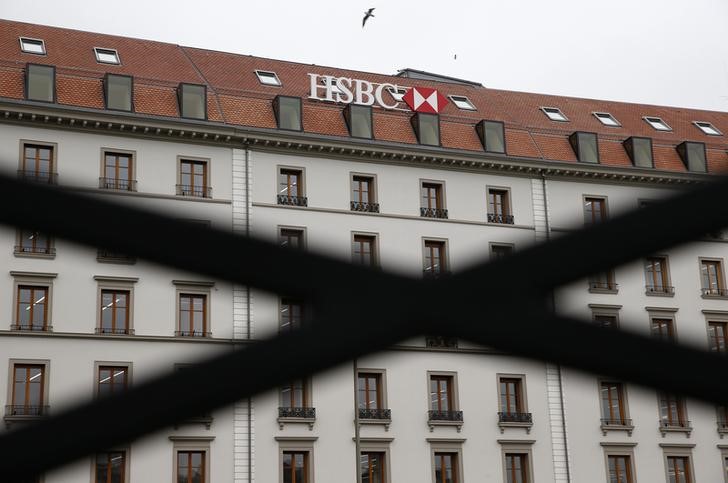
{"type": "Point", "coordinates": [425, 99]}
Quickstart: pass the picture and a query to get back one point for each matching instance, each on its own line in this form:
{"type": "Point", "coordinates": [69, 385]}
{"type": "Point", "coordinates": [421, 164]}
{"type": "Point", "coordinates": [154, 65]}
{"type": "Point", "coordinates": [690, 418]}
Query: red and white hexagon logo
{"type": "Point", "coordinates": [425, 99]}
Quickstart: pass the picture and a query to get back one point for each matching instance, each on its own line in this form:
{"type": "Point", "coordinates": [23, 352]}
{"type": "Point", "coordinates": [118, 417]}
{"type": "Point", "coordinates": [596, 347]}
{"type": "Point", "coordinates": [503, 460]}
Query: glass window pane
{"type": "Point", "coordinates": [193, 101]}
{"type": "Point", "coordinates": [429, 129]}
{"type": "Point", "coordinates": [642, 152]}
{"type": "Point", "coordinates": [494, 137]}
{"type": "Point", "coordinates": [289, 113]}
{"type": "Point", "coordinates": [118, 92]}
{"type": "Point", "coordinates": [360, 121]}
{"type": "Point", "coordinates": [40, 81]}
{"type": "Point", "coordinates": [588, 148]}
{"type": "Point", "coordinates": [696, 157]}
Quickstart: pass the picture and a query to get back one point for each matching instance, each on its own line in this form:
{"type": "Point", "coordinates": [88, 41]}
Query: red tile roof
{"type": "Point", "coordinates": [236, 97]}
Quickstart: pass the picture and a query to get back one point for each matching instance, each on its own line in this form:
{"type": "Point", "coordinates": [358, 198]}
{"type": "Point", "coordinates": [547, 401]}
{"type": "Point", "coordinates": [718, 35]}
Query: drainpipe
{"type": "Point", "coordinates": [357, 438]}
{"type": "Point", "coordinates": [248, 316]}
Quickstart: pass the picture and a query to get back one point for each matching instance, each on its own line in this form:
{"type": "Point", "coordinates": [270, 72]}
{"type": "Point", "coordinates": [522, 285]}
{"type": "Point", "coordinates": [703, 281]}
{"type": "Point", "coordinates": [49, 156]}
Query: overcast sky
{"type": "Point", "coordinates": [671, 52]}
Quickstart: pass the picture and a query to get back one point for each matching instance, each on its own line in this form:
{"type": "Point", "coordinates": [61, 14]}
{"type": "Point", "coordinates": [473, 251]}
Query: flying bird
{"type": "Point", "coordinates": [367, 14]}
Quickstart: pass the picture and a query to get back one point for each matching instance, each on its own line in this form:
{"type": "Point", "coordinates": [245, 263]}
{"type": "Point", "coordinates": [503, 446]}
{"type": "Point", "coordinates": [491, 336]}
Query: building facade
{"type": "Point", "coordinates": [415, 173]}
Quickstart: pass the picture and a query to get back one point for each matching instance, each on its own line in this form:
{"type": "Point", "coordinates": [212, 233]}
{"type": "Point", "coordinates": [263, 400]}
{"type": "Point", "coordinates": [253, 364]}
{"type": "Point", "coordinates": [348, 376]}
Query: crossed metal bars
{"type": "Point", "coordinates": [394, 308]}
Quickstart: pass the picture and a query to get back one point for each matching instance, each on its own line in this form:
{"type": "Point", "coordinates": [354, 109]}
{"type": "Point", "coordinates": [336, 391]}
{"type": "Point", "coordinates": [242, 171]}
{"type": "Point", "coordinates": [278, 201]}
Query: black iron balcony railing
{"type": "Point", "coordinates": [37, 176]}
{"type": "Point", "coordinates": [510, 417]}
{"type": "Point", "coordinates": [292, 200]}
{"type": "Point", "coordinates": [433, 212]}
{"type": "Point", "coordinates": [684, 424]}
{"type": "Point", "coordinates": [435, 415]}
{"type": "Point", "coordinates": [723, 426]}
{"type": "Point", "coordinates": [30, 250]}
{"type": "Point", "coordinates": [23, 410]}
{"type": "Point", "coordinates": [714, 292]}
{"type": "Point", "coordinates": [192, 333]}
{"type": "Point", "coordinates": [194, 191]}
{"type": "Point", "coordinates": [297, 413]}
{"type": "Point", "coordinates": [115, 331]}
{"type": "Point", "coordinates": [441, 342]}
{"type": "Point", "coordinates": [594, 285]}
{"type": "Point", "coordinates": [32, 327]}
{"type": "Point", "coordinates": [117, 184]}
{"type": "Point", "coordinates": [659, 289]}
{"type": "Point", "coordinates": [430, 273]}
{"type": "Point", "coordinates": [616, 422]}
{"type": "Point", "coordinates": [367, 207]}
{"type": "Point", "coordinates": [503, 219]}
{"type": "Point", "coordinates": [375, 413]}
{"type": "Point", "coordinates": [106, 255]}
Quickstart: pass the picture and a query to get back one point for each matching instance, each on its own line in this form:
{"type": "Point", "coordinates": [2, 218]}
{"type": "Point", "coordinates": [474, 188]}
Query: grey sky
{"type": "Point", "coordinates": [671, 52]}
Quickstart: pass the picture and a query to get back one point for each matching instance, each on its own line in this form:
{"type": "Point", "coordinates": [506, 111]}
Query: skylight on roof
{"type": "Point", "coordinates": [268, 78]}
{"type": "Point", "coordinates": [555, 114]}
{"type": "Point", "coordinates": [106, 56]}
{"type": "Point", "coordinates": [657, 123]}
{"type": "Point", "coordinates": [32, 46]}
{"type": "Point", "coordinates": [462, 102]}
{"type": "Point", "coordinates": [397, 93]}
{"type": "Point", "coordinates": [607, 119]}
{"type": "Point", "coordinates": [708, 128]}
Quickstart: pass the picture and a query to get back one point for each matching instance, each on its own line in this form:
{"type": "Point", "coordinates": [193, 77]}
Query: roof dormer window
{"type": "Point", "coordinates": [657, 123]}
{"type": "Point", "coordinates": [268, 78]}
{"type": "Point", "coordinates": [32, 46]}
{"type": "Point", "coordinates": [555, 114]}
{"type": "Point", "coordinates": [708, 128]}
{"type": "Point", "coordinates": [397, 93]}
{"type": "Point", "coordinates": [107, 56]}
{"type": "Point", "coordinates": [606, 119]}
{"type": "Point", "coordinates": [462, 102]}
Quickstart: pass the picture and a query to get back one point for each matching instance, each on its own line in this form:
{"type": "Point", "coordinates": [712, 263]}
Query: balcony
{"type": "Point", "coordinates": [660, 290]}
{"type": "Point", "coordinates": [440, 342]}
{"type": "Point", "coordinates": [292, 200]}
{"type": "Point", "coordinates": [37, 176]}
{"type": "Point", "coordinates": [104, 255]}
{"type": "Point", "coordinates": [714, 292]}
{"type": "Point", "coordinates": [444, 418]}
{"type": "Point", "coordinates": [114, 331]}
{"type": "Point", "coordinates": [501, 219]}
{"type": "Point", "coordinates": [376, 416]}
{"type": "Point", "coordinates": [364, 207]}
{"type": "Point", "coordinates": [32, 327]}
{"type": "Point", "coordinates": [722, 427]}
{"type": "Point", "coordinates": [616, 424]}
{"type": "Point", "coordinates": [192, 333]}
{"type": "Point", "coordinates": [603, 287]}
{"type": "Point", "coordinates": [301, 414]}
{"type": "Point", "coordinates": [118, 184]}
{"type": "Point", "coordinates": [429, 273]}
{"type": "Point", "coordinates": [433, 213]}
{"type": "Point", "coordinates": [16, 414]}
{"type": "Point", "coordinates": [515, 420]}
{"type": "Point", "coordinates": [683, 426]}
{"type": "Point", "coordinates": [24, 250]}
{"type": "Point", "coordinates": [194, 191]}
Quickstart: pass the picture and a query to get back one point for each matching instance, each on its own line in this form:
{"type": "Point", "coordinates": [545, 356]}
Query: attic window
{"type": "Point", "coordinates": [192, 101]}
{"type": "Point", "coordinates": [268, 78]}
{"type": "Point", "coordinates": [462, 102]}
{"type": "Point", "coordinates": [606, 119]}
{"type": "Point", "coordinates": [708, 128]}
{"type": "Point", "coordinates": [107, 56]}
{"type": "Point", "coordinates": [397, 93]}
{"type": "Point", "coordinates": [657, 123]}
{"type": "Point", "coordinates": [32, 46]}
{"type": "Point", "coordinates": [555, 114]}
{"type": "Point", "coordinates": [585, 146]}
{"type": "Point", "coordinates": [693, 156]}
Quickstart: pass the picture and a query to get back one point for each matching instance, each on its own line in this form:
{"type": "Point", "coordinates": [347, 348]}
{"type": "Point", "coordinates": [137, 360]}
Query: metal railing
{"type": "Point", "coordinates": [375, 413]}
{"type": "Point", "coordinates": [510, 417]}
{"type": "Point", "coordinates": [192, 333]}
{"type": "Point", "coordinates": [194, 191]}
{"type": "Point", "coordinates": [118, 184]}
{"type": "Point", "coordinates": [292, 200]}
{"type": "Point", "coordinates": [684, 424]}
{"type": "Point", "coordinates": [114, 331]}
{"type": "Point", "coordinates": [26, 411]}
{"type": "Point", "coordinates": [594, 285]}
{"type": "Point", "coordinates": [616, 422]}
{"type": "Point", "coordinates": [297, 413]}
{"type": "Point", "coordinates": [435, 415]}
{"type": "Point", "coordinates": [499, 218]}
{"type": "Point", "coordinates": [441, 342]}
{"type": "Point", "coordinates": [37, 176]}
{"type": "Point", "coordinates": [32, 327]}
{"type": "Point", "coordinates": [366, 207]}
{"type": "Point", "coordinates": [24, 249]}
{"type": "Point", "coordinates": [714, 292]}
{"type": "Point", "coordinates": [433, 212]}
{"type": "Point", "coordinates": [660, 289]}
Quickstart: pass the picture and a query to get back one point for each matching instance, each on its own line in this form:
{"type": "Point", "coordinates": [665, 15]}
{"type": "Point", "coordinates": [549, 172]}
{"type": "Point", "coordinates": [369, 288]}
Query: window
{"type": "Point", "coordinates": [432, 200]}
{"type": "Point", "coordinates": [193, 315]}
{"type": "Point", "coordinates": [585, 146]}
{"type": "Point", "coordinates": [606, 321]}
{"type": "Point", "coordinates": [620, 468]}
{"type": "Point", "coordinates": [657, 281]}
{"type": "Point", "coordinates": [33, 242]}
{"type": "Point", "coordinates": [110, 467]}
{"type": "Point", "coordinates": [662, 329]}
{"type": "Point", "coordinates": [295, 467]}
{"type": "Point", "coordinates": [512, 410]}
{"type": "Point", "coordinates": [290, 187]}
{"type": "Point", "coordinates": [711, 275]}
{"type": "Point", "coordinates": [516, 465]}
{"type": "Point", "coordinates": [427, 128]}
{"type": "Point", "coordinates": [397, 93]}
{"type": "Point", "coordinates": [191, 467]}
{"type": "Point", "coordinates": [657, 123]}
{"type": "Point", "coordinates": [498, 251]}
{"type": "Point", "coordinates": [364, 250]}
{"type": "Point", "coordinates": [118, 90]}
{"type": "Point", "coordinates": [288, 112]}
{"type": "Point", "coordinates": [678, 469]}
{"type": "Point", "coordinates": [193, 179]}
{"type": "Point", "coordinates": [693, 156]}
{"type": "Point", "coordinates": [723, 420]}
{"type": "Point", "coordinates": [106, 56]}
{"type": "Point", "coordinates": [614, 410]}
{"type": "Point", "coordinates": [462, 102]}
{"type": "Point", "coordinates": [295, 403]}
{"type": "Point", "coordinates": [492, 136]}
{"type": "Point", "coordinates": [32, 308]}
{"type": "Point", "coordinates": [595, 210]}
{"type": "Point", "coordinates": [38, 163]}
{"type": "Point", "coordinates": [372, 467]}
{"type": "Point", "coordinates": [446, 468]}
{"type": "Point", "coordinates": [555, 114]}
{"type": "Point", "coordinates": [268, 78]}
{"type": "Point", "coordinates": [603, 282]}
{"type": "Point", "coordinates": [118, 172]}
{"type": "Point", "coordinates": [606, 119]}
{"type": "Point", "coordinates": [290, 238]}
{"type": "Point", "coordinates": [32, 46]}
{"type": "Point", "coordinates": [435, 262]}
{"type": "Point", "coordinates": [293, 395]}
{"type": "Point", "coordinates": [370, 393]}
{"type": "Point", "coordinates": [112, 380]}
{"type": "Point", "coordinates": [29, 390]}
{"type": "Point", "coordinates": [192, 101]}
{"type": "Point", "coordinates": [707, 128]}
{"type": "Point", "coordinates": [499, 206]}
{"type": "Point", "coordinates": [40, 83]}
{"type": "Point", "coordinates": [672, 412]}
{"type": "Point", "coordinates": [442, 398]}
{"type": "Point", "coordinates": [363, 196]}
{"type": "Point", "coordinates": [718, 336]}
{"type": "Point", "coordinates": [359, 121]}
{"type": "Point", "coordinates": [639, 151]}
{"type": "Point", "coordinates": [114, 317]}
{"type": "Point", "coordinates": [291, 314]}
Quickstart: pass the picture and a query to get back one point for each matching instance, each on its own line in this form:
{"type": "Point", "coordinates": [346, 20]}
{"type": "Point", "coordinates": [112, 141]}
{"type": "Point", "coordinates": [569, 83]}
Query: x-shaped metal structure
{"type": "Point", "coordinates": [360, 311]}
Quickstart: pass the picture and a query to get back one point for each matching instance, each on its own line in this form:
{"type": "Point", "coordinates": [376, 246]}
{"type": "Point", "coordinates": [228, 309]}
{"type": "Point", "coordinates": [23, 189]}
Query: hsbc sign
{"type": "Point", "coordinates": [345, 90]}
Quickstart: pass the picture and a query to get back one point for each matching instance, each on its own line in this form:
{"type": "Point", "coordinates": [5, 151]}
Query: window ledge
{"type": "Point", "coordinates": [383, 422]}
{"type": "Point", "coordinates": [676, 429]}
{"type": "Point", "coordinates": [603, 290]}
{"type": "Point", "coordinates": [22, 254]}
{"type": "Point", "coordinates": [504, 425]}
{"type": "Point", "coordinates": [282, 422]}
{"type": "Point", "coordinates": [205, 420]}
{"type": "Point", "coordinates": [722, 429]}
{"type": "Point", "coordinates": [434, 422]}
{"type": "Point", "coordinates": [660, 294]}
{"type": "Point", "coordinates": [617, 427]}
{"type": "Point", "coordinates": [117, 260]}
{"type": "Point", "coordinates": [19, 328]}
{"type": "Point", "coordinates": [714, 297]}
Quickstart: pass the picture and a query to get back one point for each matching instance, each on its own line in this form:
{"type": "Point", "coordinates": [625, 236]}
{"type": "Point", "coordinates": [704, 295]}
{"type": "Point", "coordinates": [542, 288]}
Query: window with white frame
{"type": "Point", "coordinates": [268, 78]}
{"type": "Point", "coordinates": [32, 46]}
{"type": "Point", "coordinates": [607, 119]}
{"type": "Point", "coordinates": [462, 102]}
{"type": "Point", "coordinates": [707, 128]}
{"type": "Point", "coordinates": [107, 56]}
{"type": "Point", "coordinates": [555, 114]}
{"type": "Point", "coordinates": [657, 123]}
